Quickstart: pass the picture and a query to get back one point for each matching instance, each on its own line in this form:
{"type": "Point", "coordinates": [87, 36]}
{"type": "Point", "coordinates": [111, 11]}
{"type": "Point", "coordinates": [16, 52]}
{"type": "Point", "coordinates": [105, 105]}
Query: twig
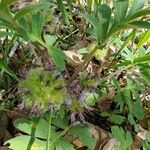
{"type": "Point", "coordinates": [87, 60]}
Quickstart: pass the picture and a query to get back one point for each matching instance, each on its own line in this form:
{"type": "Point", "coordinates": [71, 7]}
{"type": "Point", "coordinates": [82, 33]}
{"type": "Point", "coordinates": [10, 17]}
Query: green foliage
{"type": "Point", "coordinates": [84, 135]}
{"type": "Point", "coordinates": [21, 142]}
{"type": "Point", "coordinates": [116, 119]}
{"type": "Point", "coordinates": [64, 12]}
{"type": "Point", "coordinates": [28, 24]}
{"type": "Point", "coordinates": [123, 19]}
{"type": "Point", "coordinates": [6, 69]}
{"type": "Point", "coordinates": [123, 137]}
{"type": "Point", "coordinates": [56, 138]}
{"type": "Point", "coordinates": [59, 57]}
{"type": "Point", "coordinates": [44, 89]}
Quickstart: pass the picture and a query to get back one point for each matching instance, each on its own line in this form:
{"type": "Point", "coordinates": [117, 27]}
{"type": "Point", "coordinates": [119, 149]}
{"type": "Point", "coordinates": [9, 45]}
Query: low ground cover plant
{"type": "Point", "coordinates": [69, 66]}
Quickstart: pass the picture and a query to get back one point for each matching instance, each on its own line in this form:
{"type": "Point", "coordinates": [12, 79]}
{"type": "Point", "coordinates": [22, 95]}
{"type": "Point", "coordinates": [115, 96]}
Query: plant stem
{"type": "Point", "coordinates": [88, 58]}
{"type": "Point", "coordinates": [33, 130]}
{"type": "Point", "coordinates": [49, 131]}
{"type": "Point", "coordinates": [62, 134]}
{"type": "Point", "coordinates": [86, 61]}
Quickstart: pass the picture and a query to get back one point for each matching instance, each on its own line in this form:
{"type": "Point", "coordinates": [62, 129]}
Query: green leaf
{"type": "Point", "coordinates": [104, 12]}
{"type": "Point", "coordinates": [83, 133]}
{"type": "Point", "coordinates": [21, 143]}
{"type": "Point", "coordinates": [96, 25]}
{"type": "Point", "coordinates": [4, 10]}
{"type": "Point", "coordinates": [37, 24]}
{"type": "Point", "coordinates": [6, 3]}
{"type": "Point", "coordinates": [128, 98]}
{"type": "Point", "coordinates": [121, 7]}
{"type": "Point", "coordinates": [138, 14]}
{"type": "Point", "coordinates": [116, 119]}
{"type": "Point", "coordinates": [91, 99]}
{"type": "Point", "coordinates": [50, 39]}
{"type": "Point", "coordinates": [105, 114]}
{"type": "Point", "coordinates": [137, 5]}
{"type": "Point", "coordinates": [61, 7]}
{"type": "Point", "coordinates": [25, 125]}
{"type": "Point", "coordinates": [144, 39]}
{"type": "Point", "coordinates": [92, 20]}
{"type": "Point", "coordinates": [69, 2]}
{"type": "Point", "coordinates": [148, 136]}
{"type": "Point", "coordinates": [128, 55]}
{"type": "Point", "coordinates": [6, 24]}
{"type": "Point", "coordinates": [125, 139]}
{"type": "Point", "coordinates": [63, 145]}
{"type": "Point", "coordinates": [145, 73]}
{"type": "Point", "coordinates": [140, 24]}
{"type": "Point", "coordinates": [6, 69]}
{"type": "Point", "coordinates": [128, 138]}
{"type": "Point", "coordinates": [142, 59]}
{"type": "Point", "coordinates": [60, 120]}
{"type": "Point", "coordinates": [146, 145]}
{"type": "Point", "coordinates": [118, 133]}
{"type": "Point", "coordinates": [132, 122]}
{"type": "Point", "coordinates": [138, 111]}
{"type": "Point", "coordinates": [4, 34]}
{"type": "Point", "coordinates": [115, 82]}
{"type": "Point", "coordinates": [30, 8]}
{"type": "Point", "coordinates": [59, 57]}
{"type": "Point", "coordinates": [120, 99]}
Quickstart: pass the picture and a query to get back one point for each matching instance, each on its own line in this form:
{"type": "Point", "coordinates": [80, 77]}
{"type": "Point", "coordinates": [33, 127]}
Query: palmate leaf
{"type": "Point", "coordinates": [138, 111]}
{"type": "Point", "coordinates": [123, 137]}
{"type": "Point", "coordinates": [139, 13]}
{"type": "Point", "coordinates": [145, 73]}
{"type": "Point", "coordinates": [121, 7]}
{"type": "Point", "coordinates": [92, 20]}
{"type": "Point", "coordinates": [137, 5]}
{"type": "Point", "coordinates": [83, 133]}
{"type": "Point", "coordinates": [116, 119]}
{"type": "Point", "coordinates": [140, 24]}
{"type": "Point", "coordinates": [4, 10]}
{"type": "Point", "coordinates": [6, 24]}
{"type": "Point", "coordinates": [104, 13]}
{"type": "Point", "coordinates": [133, 122]}
{"type": "Point", "coordinates": [5, 3]}
{"type": "Point", "coordinates": [97, 26]}
{"type": "Point", "coordinates": [4, 34]}
{"type": "Point", "coordinates": [37, 24]}
{"type": "Point", "coordinates": [128, 55]}
{"type": "Point", "coordinates": [142, 59]}
{"type": "Point", "coordinates": [59, 57]}
{"type": "Point", "coordinates": [128, 98]}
